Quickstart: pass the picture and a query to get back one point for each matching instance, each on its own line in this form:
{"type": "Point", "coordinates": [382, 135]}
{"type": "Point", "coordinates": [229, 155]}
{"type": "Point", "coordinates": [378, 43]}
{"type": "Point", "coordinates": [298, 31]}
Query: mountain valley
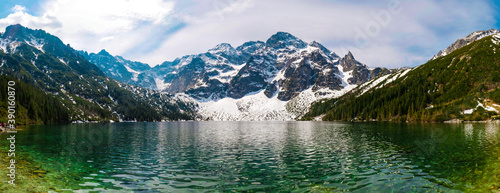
{"type": "Point", "coordinates": [283, 78]}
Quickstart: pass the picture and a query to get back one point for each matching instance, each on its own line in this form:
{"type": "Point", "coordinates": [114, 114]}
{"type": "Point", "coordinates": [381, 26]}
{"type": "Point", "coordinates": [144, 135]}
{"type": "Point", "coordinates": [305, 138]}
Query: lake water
{"type": "Point", "coordinates": [257, 157]}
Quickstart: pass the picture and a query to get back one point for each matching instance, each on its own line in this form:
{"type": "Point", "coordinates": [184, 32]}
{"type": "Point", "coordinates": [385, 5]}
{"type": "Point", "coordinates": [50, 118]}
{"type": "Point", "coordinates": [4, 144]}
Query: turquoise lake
{"type": "Point", "coordinates": [257, 157]}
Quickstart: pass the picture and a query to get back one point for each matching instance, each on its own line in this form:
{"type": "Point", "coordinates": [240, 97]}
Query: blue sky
{"type": "Point", "coordinates": [387, 33]}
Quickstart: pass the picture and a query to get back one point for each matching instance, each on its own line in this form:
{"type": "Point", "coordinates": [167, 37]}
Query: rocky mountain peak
{"type": "Point", "coordinates": [20, 33]}
{"type": "Point", "coordinates": [283, 39]}
{"type": "Point", "coordinates": [251, 46]}
{"type": "Point", "coordinates": [103, 52]}
{"type": "Point", "coordinates": [481, 34]}
{"type": "Point", "coordinates": [348, 62]}
{"type": "Point", "coordinates": [466, 41]}
{"type": "Point", "coordinates": [321, 47]}
{"type": "Point", "coordinates": [14, 31]}
{"type": "Point", "coordinates": [349, 56]}
{"type": "Point", "coordinates": [223, 48]}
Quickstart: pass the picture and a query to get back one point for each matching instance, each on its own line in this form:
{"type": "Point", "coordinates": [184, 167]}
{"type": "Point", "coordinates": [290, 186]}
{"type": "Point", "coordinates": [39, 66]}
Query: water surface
{"type": "Point", "coordinates": [258, 156]}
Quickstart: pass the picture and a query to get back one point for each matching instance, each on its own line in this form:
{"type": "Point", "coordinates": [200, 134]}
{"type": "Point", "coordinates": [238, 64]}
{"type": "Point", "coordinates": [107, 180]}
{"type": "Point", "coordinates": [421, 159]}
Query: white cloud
{"type": "Point", "coordinates": [117, 25]}
{"type": "Point", "coordinates": [414, 32]}
{"type": "Point", "coordinates": [144, 29]}
{"type": "Point", "coordinates": [18, 8]}
{"type": "Point", "coordinates": [20, 16]}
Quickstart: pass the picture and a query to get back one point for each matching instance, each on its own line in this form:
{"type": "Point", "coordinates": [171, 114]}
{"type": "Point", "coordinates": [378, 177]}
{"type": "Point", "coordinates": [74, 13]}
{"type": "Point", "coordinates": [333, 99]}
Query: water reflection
{"type": "Point", "coordinates": [265, 156]}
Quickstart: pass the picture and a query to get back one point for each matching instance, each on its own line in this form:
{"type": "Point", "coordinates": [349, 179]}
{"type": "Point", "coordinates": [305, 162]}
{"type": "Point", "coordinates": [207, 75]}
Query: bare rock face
{"type": "Point", "coordinates": [360, 72]}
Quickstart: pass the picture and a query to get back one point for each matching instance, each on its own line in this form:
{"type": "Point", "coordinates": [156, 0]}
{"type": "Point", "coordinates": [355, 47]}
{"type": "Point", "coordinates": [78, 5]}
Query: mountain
{"type": "Point", "coordinates": [273, 80]}
{"type": "Point", "coordinates": [462, 84]}
{"type": "Point", "coordinates": [44, 62]}
{"type": "Point", "coordinates": [118, 68]}
{"type": "Point", "coordinates": [465, 41]}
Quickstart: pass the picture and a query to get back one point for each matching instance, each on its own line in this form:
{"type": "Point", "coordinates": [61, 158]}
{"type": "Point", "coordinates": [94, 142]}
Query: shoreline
{"type": "Point", "coordinates": [454, 121]}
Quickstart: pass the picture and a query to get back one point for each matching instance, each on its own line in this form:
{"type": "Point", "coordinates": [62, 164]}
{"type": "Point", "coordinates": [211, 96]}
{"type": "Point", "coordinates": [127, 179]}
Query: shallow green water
{"type": "Point", "coordinates": [259, 156]}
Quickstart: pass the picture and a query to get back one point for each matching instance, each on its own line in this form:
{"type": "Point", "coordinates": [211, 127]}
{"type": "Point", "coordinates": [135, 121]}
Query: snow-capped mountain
{"type": "Point", "coordinates": [125, 71]}
{"type": "Point", "coordinates": [466, 41]}
{"type": "Point", "coordinates": [273, 80]}
{"type": "Point", "coordinates": [85, 93]}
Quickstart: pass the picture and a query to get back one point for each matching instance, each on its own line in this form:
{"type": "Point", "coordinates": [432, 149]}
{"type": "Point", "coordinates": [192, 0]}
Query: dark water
{"type": "Point", "coordinates": [260, 156]}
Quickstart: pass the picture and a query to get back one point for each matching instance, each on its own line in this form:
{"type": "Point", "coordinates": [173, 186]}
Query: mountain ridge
{"type": "Point", "coordinates": [465, 41]}
{"type": "Point", "coordinates": [462, 85]}
{"type": "Point", "coordinates": [44, 61]}
{"type": "Point", "coordinates": [281, 68]}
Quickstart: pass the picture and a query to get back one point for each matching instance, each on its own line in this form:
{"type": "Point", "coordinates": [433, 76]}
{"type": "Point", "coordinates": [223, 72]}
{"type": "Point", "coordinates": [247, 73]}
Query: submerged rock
{"type": "Point", "coordinates": [40, 172]}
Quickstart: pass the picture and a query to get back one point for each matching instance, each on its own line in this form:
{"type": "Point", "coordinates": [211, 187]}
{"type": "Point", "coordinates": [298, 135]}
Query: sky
{"type": "Point", "coordinates": [382, 33]}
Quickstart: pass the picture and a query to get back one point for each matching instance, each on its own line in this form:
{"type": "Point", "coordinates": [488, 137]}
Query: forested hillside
{"type": "Point", "coordinates": [33, 106]}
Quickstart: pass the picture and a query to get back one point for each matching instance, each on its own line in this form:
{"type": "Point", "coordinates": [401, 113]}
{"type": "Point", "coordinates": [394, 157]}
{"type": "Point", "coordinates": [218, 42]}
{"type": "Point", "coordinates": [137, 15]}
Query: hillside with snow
{"type": "Point", "coordinates": [460, 84]}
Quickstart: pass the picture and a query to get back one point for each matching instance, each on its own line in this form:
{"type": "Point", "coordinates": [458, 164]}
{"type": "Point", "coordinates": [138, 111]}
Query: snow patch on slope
{"type": "Point", "coordinates": [382, 81]}
{"type": "Point", "coordinates": [301, 103]}
{"type": "Point", "coordinates": [225, 77]}
{"type": "Point", "coordinates": [256, 107]}
{"type": "Point", "coordinates": [38, 44]}
{"type": "Point", "coordinates": [135, 74]}
{"type": "Point", "coordinates": [398, 75]}
{"type": "Point", "coordinates": [62, 61]}
{"type": "Point", "coordinates": [485, 107]}
{"type": "Point", "coordinates": [3, 44]}
{"type": "Point", "coordinates": [496, 39]}
{"type": "Point", "coordinates": [160, 84]}
{"type": "Point", "coordinates": [372, 83]}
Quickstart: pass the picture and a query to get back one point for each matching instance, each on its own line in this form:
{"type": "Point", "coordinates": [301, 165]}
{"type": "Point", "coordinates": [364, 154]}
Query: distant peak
{"type": "Point", "coordinates": [283, 36]}
{"type": "Point", "coordinates": [284, 39]}
{"type": "Point", "coordinates": [104, 53]}
{"type": "Point", "coordinates": [15, 27]}
{"type": "Point", "coordinates": [251, 43]}
{"type": "Point", "coordinates": [481, 34]}
{"type": "Point", "coordinates": [349, 56]}
{"type": "Point", "coordinates": [321, 47]}
{"type": "Point", "coordinates": [251, 46]}
{"type": "Point", "coordinates": [14, 31]}
{"type": "Point", "coordinates": [223, 48]}
{"type": "Point", "coordinates": [23, 34]}
{"type": "Point", "coordinates": [313, 43]}
{"type": "Point", "coordinates": [475, 36]}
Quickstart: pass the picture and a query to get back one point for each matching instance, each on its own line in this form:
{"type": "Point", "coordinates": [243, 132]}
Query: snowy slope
{"type": "Point", "coordinates": [254, 107]}
{"type": "Point", "coordinates": [382, 81]}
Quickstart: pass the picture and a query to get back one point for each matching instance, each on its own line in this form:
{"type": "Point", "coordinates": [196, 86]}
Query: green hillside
{"type": "Point", "coordinates": [33, 105]}
{"type": "Point", "coordinates": [462, 85]}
